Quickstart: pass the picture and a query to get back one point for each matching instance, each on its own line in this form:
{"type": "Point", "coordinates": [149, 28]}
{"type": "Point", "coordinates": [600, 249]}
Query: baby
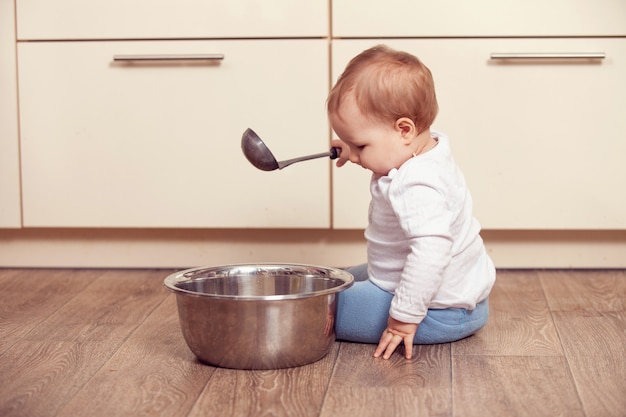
{"type": "Point", "coordinates": [428, 275]}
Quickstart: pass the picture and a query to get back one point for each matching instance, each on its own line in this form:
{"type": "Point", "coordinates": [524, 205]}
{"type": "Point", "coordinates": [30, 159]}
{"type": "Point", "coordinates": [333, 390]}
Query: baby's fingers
{"type": "Point", "coordinates": [408, 347]}
{"type": "Point", "coordinates": [385, 339]}
{"type": "Point", "coordinates": [395, 342]}
{"type": "Point", "coordinates": [387, 345]}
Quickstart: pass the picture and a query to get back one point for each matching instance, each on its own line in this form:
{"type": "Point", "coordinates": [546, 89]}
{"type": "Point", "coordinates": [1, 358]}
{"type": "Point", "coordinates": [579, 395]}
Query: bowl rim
{"type": "Point", "coordinates": [184, 276]}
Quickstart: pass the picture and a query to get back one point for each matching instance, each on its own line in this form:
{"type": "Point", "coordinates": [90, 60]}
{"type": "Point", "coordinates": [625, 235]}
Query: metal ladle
{"type": "Point", "coordinates": [261, 157]}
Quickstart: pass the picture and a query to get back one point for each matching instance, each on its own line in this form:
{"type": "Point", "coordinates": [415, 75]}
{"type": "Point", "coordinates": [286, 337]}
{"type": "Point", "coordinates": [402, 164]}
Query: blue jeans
{"type": "Point", "coordinates": [363, 310]}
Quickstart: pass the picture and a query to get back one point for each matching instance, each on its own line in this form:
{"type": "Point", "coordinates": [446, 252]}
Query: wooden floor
{"type": "Point", "coordinates": [107, 343]}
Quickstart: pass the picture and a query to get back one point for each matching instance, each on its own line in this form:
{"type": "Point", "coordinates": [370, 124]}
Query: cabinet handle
{"type": "Point", "coordinates": [557, 55]}
{"type": "Point", "coordinates": [174, 57]}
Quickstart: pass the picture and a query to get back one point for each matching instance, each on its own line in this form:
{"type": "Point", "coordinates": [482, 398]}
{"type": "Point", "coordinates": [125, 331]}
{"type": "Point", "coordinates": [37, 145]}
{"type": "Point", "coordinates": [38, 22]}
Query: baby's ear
{"type": "Point", "coordinates": [406, 127]}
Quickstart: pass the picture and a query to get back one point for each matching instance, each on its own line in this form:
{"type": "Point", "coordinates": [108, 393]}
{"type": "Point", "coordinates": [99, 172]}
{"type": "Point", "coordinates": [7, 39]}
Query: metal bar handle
{"type": "Point", "coordinates": [554, 55]}
{"type": "Point", "coordinates": [169, 57]}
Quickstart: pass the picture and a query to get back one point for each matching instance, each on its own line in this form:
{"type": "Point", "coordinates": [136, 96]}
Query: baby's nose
{"type": "Point", "coordinates": [354, 157]}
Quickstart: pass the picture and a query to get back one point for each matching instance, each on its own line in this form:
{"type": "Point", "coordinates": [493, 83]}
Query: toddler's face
{"type": "Point", "coordinates": [375, 145]}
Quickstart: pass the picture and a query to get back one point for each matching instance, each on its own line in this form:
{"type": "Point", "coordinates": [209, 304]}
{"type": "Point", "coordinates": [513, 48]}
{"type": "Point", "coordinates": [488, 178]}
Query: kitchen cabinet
{"type": "Point", "coordinates": [166, 19]}
{"type": "Point", "coordinates": [540, 141]}
{"type": "Point", "coordinates": [10, 216]}
{"type": "Point", "coordinates": [478, 18]}
{"type": "Point", "coordinates": [109, 143]}
{"type": "Point", "coordinates": [131, 113]}
{"type": "Point", "coordinates": [144, 155]}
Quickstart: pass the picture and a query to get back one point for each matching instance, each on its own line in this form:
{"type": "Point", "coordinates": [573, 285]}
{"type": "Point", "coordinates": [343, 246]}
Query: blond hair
{"type": "Point", "coordinates": [387, 85]}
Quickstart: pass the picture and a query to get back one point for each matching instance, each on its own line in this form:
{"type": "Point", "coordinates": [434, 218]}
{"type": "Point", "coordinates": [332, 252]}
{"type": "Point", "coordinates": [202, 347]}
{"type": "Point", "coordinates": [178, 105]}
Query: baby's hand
{"type": "Point", "coordinates": [395, 333]}
{"type": "Point", "coordinates": [345, 151]}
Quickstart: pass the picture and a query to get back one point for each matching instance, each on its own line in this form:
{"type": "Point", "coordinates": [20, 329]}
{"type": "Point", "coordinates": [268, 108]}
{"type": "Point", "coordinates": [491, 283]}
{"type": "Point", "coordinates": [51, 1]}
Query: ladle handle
{"type": "Point", "coordinates": [332, 154]}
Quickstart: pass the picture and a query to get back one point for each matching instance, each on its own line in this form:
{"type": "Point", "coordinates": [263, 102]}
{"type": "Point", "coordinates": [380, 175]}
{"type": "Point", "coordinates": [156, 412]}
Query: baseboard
{"type": "Point", "coordinates": [182, 248]}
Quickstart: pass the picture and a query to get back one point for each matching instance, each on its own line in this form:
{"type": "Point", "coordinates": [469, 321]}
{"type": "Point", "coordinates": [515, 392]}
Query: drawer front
{"type": "Point", "coordinates": [417, 18]}
{"type": "Point", "coordinates": [157, 144]}
{"type": "Point", "coordinates": [166, 19]}
{"type": "Point", "coordinates": [541, 142]}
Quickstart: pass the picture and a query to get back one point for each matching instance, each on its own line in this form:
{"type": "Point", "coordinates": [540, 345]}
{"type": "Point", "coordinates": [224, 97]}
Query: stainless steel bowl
{"type": "Point", "coordinates": [262, 316]}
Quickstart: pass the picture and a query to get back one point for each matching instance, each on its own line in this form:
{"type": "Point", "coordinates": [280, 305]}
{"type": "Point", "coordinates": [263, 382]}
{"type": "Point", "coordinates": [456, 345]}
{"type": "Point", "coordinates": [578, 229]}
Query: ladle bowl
{"type": "Point", "coordinates": [259, 155]}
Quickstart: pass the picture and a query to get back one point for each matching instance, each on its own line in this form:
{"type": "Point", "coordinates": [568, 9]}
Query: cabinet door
{"type": "Point", "coordinates": [419, 18]}
{"type": "Point", "coordinates": [541, 142]}
{"type": "Point", "coordinates": [157, 144]}
{"type": "Point", "coordinates": [166, 19]}
{"type": "Point", "coordinates": [9, 156]}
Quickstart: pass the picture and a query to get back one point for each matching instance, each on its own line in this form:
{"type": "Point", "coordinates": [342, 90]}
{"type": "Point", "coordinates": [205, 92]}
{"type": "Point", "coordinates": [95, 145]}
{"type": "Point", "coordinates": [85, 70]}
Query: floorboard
{"type": "Point", "coordinates": [108, 343]}
{"type": "Point", "coordinates": [366, 386]}
{"type": "Point", "coordinates": [601, 291]}
{"type": "Point", "coordinates": [534, 386]}
{"type": "Point", "coordinates": [31, 296]}
{"type": "Point", "coordinates": [283, 392]}
{"type": "Point", "coordinates": [152, 373]}
{"type": "Point", "coordinates": [589, 310]}
{"type": "Point", "coordinates": [49, 365]}
{"type": "Point", "coordinates": [519, 321]}
{"type": "Point", "coordinates": [595, 347]}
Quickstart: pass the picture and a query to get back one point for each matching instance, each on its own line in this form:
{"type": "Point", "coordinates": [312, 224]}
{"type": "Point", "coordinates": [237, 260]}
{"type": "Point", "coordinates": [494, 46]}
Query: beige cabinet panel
{"type": "Point", "coordinates": [453, 18]}
{"type": "Point", "coordinates": [541, 142]}
{"type": "Point", "coordinates": [9, 155]}
{"type": "Point", "coordinates": [166, 19]}
{"type": "Point", "coordinates": [157, 144]}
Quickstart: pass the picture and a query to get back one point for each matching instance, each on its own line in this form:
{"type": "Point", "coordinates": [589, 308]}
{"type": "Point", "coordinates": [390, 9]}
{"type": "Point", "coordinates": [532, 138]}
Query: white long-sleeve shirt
{"type": "Point", "coordinates": [423, 241]}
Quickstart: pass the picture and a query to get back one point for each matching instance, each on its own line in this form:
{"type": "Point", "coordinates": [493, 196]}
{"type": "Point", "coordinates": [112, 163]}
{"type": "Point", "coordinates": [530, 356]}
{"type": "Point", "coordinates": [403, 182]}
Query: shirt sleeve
{"type": "Point", "coordinates": [425, 219]}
